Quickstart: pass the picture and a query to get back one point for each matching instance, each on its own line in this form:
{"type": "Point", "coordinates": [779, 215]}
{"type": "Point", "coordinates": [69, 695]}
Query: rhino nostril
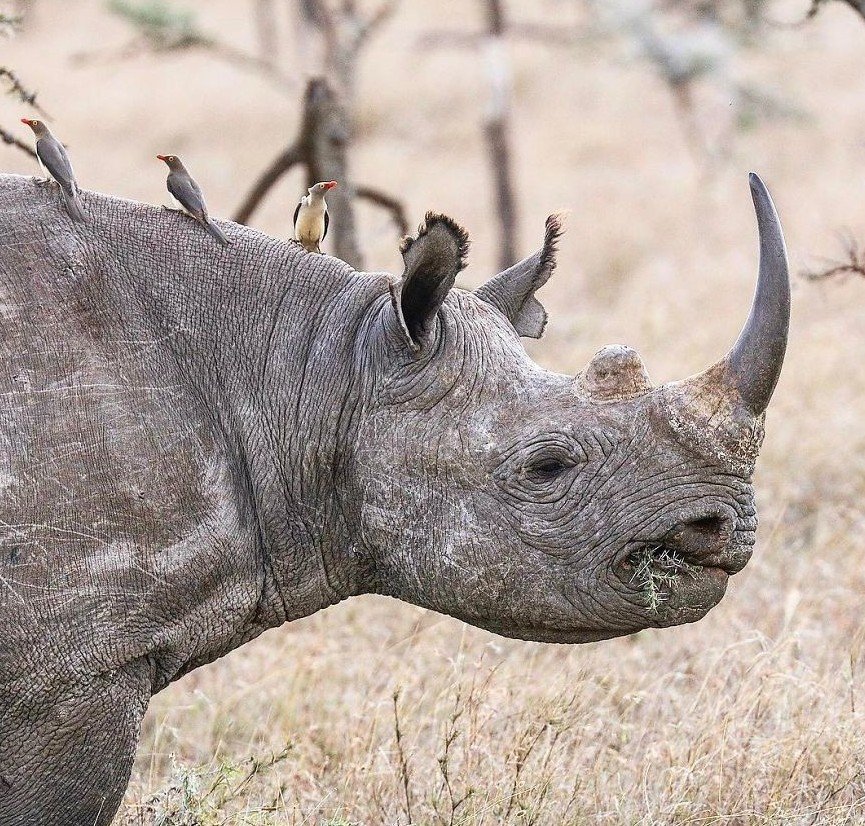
{"type": "Point", "coordinates": [702, 537]}
{"type": "Point", "coordinates": [708, 526]}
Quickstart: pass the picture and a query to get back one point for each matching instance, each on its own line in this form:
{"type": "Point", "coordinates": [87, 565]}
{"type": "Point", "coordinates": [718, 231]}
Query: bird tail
{"type": "Point", "coordinates": [216, 232]}
{"type": "Point", "coordinates": [73, 204]}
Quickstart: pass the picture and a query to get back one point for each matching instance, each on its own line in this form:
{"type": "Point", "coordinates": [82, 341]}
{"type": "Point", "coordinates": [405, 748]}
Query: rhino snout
{"type": "Point", "coordinates": [687, 564]}
{"type": "Point", "coordinates": [706, 542]}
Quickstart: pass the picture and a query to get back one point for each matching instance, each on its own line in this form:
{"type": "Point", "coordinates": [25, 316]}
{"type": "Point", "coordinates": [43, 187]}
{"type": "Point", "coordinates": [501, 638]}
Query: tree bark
{"type": "Point", "coordinates": [265, 24]}
{"type": "Point", "coordinates": [392, 205]}
{"type": "Point", "coordinates": [497, 130]}
{"type": "Point", "coordinates": [325, 137]}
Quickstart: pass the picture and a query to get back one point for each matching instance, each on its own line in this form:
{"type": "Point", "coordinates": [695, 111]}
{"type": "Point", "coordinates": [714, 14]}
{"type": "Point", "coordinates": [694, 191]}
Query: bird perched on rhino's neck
{"type": "Point", "coordinates": [311, 219]}
{"type": "Point", "coordinates": [55, 162]}
{"type": "Point", "coordinates": [187, 193]}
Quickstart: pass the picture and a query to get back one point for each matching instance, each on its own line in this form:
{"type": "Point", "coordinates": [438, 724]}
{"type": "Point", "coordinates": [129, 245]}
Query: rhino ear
{"type": "Point", "coordinates": [512, 292]}
{"type": "Point", "coordinates": [432, 260]}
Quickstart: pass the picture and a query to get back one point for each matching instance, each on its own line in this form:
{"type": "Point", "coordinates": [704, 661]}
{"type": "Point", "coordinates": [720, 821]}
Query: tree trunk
{"type": "Point", "coordinates": [326, 135]}
{"type": "Point", "coordinates": [321, 146]}
{"type": "Point", "coordinates": [497, 130]}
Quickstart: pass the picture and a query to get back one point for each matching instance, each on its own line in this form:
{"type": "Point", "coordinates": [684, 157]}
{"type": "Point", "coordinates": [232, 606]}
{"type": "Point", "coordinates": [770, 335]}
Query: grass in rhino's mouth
{"type": "Point", "coordinates": [655, 568]}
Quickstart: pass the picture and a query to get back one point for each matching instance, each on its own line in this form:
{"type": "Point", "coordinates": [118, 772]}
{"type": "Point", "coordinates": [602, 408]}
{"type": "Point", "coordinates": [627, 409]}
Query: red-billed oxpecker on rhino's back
{"type": "Point", "coordinates": [55, 162]}
{"type": "Point", "coordinates": [203, 443]}
{"type": "Point", "coordinates": [187, 194]}
{"type": "Point", "coordinates": [311, 218]}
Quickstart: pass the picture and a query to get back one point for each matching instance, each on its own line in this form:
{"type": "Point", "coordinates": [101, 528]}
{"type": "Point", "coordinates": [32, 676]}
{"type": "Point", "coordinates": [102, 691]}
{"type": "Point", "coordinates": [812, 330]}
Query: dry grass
{"type": "Point", "coordinates": [754, 715]}
{"type": "Point", "coordinates": [655, 569]}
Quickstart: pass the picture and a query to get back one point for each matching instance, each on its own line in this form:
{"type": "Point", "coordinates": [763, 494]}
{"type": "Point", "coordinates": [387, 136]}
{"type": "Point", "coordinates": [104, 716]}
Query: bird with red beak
{"type": "Point", "coordinates": [186, 192]}
{"type": "Point", "coordinates": [311, 220]}
{"type": "Point", "coordinates": [55, 162]}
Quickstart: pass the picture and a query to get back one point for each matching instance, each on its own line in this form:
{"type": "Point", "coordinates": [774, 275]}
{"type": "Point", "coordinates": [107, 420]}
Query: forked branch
{"type": "Point", "coordinates": [853, 265]}
{"type": "Point", "coordinates": [321, 147]}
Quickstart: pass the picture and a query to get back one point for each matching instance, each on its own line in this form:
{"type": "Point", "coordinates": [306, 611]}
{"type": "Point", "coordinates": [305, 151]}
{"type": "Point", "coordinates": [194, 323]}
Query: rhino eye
{"type": "Point", "coordinates": [548, 468]}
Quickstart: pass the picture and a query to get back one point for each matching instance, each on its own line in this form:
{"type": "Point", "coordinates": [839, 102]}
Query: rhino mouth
{"type": "Point", "coordinates": [685, 567]}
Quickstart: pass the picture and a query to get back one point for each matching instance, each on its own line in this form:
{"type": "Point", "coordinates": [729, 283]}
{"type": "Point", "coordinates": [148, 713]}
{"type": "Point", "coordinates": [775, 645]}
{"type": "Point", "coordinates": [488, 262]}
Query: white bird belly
{"type": "Point", "coordinates": [310, 225]}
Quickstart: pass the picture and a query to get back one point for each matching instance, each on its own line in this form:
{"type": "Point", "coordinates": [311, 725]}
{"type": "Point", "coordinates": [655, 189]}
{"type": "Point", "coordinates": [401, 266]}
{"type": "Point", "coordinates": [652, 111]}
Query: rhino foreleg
{"type": "Point", "coordinates": [65, 757]}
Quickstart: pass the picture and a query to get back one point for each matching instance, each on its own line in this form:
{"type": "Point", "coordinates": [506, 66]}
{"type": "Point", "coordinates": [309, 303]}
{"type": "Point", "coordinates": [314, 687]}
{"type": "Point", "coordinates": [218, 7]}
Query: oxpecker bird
{"type": "Point", "coordinates": [55, 162]}
{"type": "Point", "coordinates": [311, 219]}
{"type": "Point", "coordinates": [188, 195]}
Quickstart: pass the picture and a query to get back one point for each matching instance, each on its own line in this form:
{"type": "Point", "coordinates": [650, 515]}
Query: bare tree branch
{"type": "Point", "coordinates": [17, 88]}
{"type": "Point", "coordinates": [392, 205]}
{"type": "Point", "coordinates": [497, 130]}
{"type": "Point", "coordinates": [343, 31]}
{"type": "Point", "coordinates": [854, 265]}
{"type": "Point", "coordinates": [266, 28]}
{"type": "Point", "coordinates": [321, 146]}
{"type": "Point", "coordinates": [267, 180]}
{"type": "Point", "coordinates": [242, 60]}
{"type": "Point", "coordinates": [9, 138]}
{"type": "Point", "coordinates": [163, 29]}
{"type": "Point", "coordinates": [375, 20]}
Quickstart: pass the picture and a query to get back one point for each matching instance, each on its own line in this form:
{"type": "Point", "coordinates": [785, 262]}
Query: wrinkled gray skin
{"type": "Point", "coordinates": [201, 443]}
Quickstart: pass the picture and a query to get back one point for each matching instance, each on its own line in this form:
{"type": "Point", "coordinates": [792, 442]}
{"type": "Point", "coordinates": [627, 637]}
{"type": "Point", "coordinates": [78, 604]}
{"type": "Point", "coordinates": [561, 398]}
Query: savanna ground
{"type": "Point", "coordinates": [376, 712]}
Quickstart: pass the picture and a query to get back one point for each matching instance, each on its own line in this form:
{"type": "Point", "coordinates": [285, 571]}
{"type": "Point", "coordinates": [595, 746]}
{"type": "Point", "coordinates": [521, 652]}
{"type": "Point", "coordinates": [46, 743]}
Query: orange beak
{"type": "Point", "coordinates": [27, 121]}
{"type": "Point", "coordinates": [160, 157]}
{"type": "Point", "coordinates": [330, 185]}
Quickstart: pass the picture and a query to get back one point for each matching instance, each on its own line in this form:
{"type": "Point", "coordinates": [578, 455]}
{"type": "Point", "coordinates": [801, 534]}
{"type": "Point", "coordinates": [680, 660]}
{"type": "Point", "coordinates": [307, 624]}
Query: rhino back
{"type": "Point", "coordinates": [133, 360]}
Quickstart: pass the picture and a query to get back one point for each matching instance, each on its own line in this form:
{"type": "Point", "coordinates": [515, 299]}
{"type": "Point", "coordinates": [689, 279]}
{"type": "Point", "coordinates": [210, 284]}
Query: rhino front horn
{"type": "Point", "coordinates": [756, 358]}
{"type": "Point", "coordinates": [721, 408]}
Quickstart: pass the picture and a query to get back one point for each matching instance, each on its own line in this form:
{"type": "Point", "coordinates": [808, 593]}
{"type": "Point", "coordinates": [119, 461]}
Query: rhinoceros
{"type": "Point", "coordinates": [200, 443]}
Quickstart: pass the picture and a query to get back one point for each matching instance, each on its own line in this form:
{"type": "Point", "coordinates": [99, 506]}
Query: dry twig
{"type": "Point", "coordinates": [403, 760]}
{"type": "Point", "coordinates": [9, 138]}
{"type": "Point", "coordinates": [17, 88]}
{"type": "Point", "coordinates": [854, 264]}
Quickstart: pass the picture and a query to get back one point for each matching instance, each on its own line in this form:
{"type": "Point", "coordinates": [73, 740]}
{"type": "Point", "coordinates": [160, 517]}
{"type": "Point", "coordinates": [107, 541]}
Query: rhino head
{"type": "Point", "coordinates": [545, 506]}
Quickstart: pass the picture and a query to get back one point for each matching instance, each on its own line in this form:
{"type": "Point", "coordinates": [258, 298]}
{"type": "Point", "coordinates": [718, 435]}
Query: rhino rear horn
{"type": "Point", "coordinates": [432, 260]}
{"type": "Point", "coordinates": [512, 291]}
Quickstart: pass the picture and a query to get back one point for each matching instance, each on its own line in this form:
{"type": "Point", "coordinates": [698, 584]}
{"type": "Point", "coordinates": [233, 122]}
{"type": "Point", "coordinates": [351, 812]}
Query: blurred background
{"type": "Point", "coordinates": [641, 121]}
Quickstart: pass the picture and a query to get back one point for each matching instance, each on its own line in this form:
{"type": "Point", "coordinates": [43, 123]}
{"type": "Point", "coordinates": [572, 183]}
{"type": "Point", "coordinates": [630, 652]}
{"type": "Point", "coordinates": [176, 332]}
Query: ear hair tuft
{"type": "Point", "coordinates": [553, 230]}
{"type": "Point", "coordinates": [461, 235]}
{"type": "Point", "coordinates": [512, 291]}
{"type": "Point", "coordinates": [431, 262]}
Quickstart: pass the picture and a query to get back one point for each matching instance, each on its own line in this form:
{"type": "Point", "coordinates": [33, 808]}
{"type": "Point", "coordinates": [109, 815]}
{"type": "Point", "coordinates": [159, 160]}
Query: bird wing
{"type": "Point", "coordinates": [326, 224]}
{"type": "Point", "coordinates": [54, 158]}
{"type": "Point", "coordinates": [297, 211]}
{"type": "Point", "coordinates": [188, 195]}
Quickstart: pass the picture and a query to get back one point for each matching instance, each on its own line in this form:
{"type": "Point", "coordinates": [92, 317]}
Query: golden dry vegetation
{"type": "Point", "coordinates": [375, 712]}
